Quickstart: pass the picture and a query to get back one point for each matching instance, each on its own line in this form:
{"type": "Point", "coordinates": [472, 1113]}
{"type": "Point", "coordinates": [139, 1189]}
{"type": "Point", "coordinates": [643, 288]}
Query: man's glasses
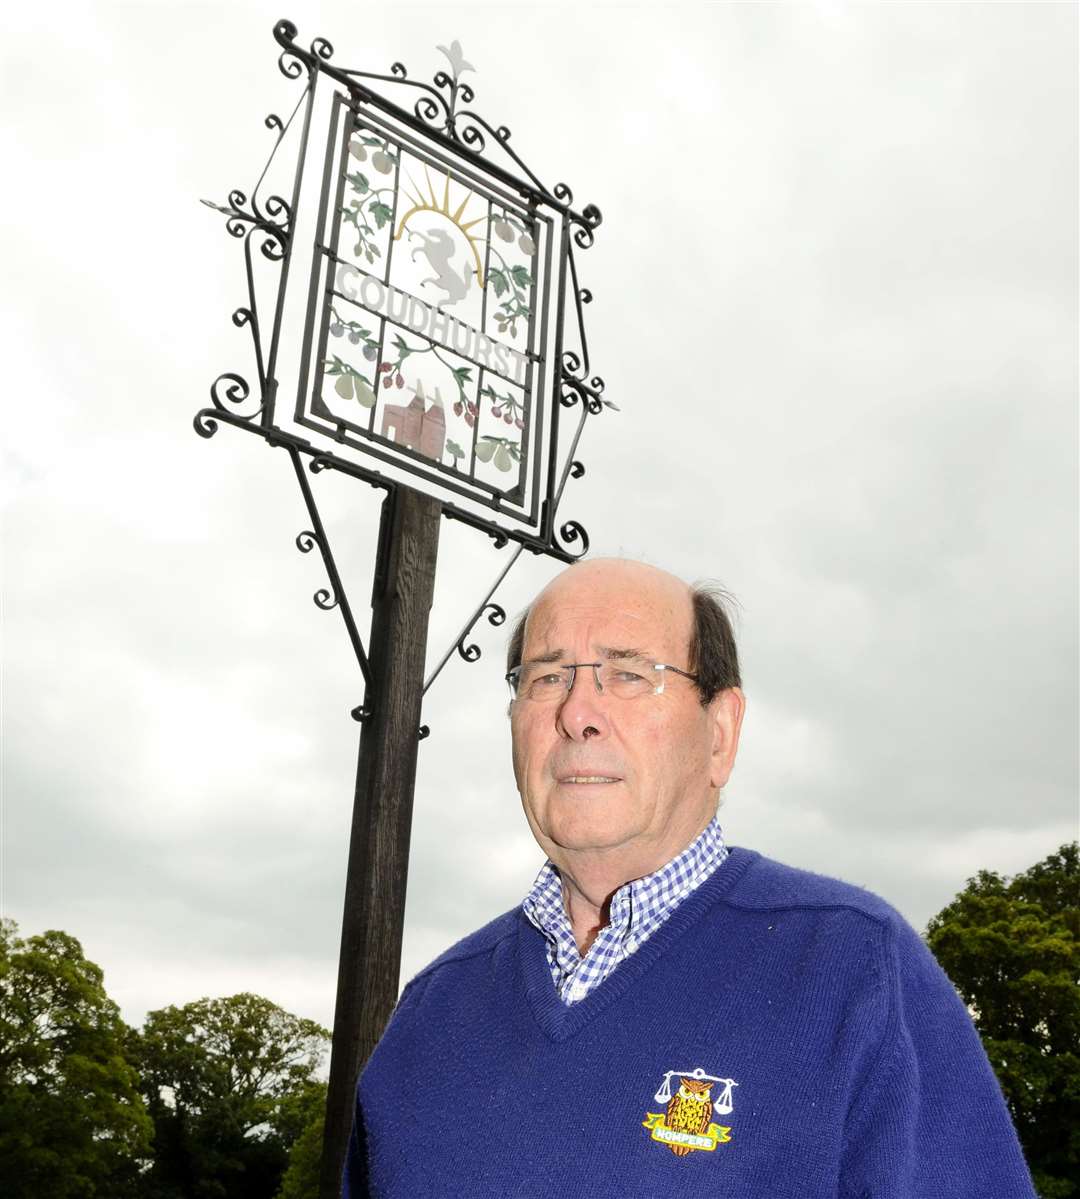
{"type": "Point", "coordinates": [545, 683]}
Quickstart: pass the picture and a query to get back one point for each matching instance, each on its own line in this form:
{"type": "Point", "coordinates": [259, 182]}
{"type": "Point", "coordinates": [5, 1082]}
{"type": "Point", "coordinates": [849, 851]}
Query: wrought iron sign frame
{"type": "Point", "coordinates": [457, 144]}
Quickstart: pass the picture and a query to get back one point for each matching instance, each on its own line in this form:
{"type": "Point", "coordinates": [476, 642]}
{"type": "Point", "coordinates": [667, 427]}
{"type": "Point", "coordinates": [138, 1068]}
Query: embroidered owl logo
{"type": "Point", "coordinates": [689, 1110]}
{"type": "Point", "coordinates": [686, 1125]}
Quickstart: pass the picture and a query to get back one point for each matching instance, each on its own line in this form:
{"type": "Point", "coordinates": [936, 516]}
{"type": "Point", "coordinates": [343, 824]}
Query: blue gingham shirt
{"type": "Point", "coordinates": [638, 908]}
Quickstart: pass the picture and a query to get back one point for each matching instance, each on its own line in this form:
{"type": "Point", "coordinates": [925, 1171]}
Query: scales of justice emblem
{"type": "Point", "coordinates": [686, 1124]}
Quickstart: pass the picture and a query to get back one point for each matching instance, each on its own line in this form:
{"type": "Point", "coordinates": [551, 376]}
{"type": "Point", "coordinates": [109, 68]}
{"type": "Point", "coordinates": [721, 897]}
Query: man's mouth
{"type": "Point", "coordinates": [589, 778]}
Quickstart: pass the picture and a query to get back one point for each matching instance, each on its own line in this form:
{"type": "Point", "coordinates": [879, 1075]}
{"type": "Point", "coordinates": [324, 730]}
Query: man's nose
{"type": "Point", "coordinates": [583, 713]}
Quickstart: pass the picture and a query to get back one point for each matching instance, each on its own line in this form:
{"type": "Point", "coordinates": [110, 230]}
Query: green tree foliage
{"type": "Point", "coordinates": [1012, 949]}
{"type": "Point", "coordinates": [72, 1122]}
{"type": "Point", "coordinates": [224, 1080]}
{"type": "Point", "coordinates": [301, 1180]}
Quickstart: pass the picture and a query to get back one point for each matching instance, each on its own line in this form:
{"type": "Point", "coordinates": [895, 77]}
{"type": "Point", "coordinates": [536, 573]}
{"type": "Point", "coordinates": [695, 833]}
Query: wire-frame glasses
{"type": "Point", "coordinates": [545, 682]}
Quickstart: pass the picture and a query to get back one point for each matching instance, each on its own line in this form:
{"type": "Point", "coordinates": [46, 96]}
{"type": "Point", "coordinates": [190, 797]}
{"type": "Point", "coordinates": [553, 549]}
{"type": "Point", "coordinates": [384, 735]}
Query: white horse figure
{"type": "Point", "coordinates": [438, 249]}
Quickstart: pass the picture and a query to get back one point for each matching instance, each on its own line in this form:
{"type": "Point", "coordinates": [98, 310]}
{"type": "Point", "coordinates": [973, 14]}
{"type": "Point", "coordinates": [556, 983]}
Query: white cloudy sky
{"type": "Point", "coordinates": [836, 293]}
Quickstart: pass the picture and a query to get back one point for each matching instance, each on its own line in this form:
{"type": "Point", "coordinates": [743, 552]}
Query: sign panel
{"type": "Point", "coordinates": [428, 314]}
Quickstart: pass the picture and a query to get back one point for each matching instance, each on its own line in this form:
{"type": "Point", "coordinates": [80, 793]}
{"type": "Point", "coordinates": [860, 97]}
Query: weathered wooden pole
{"type": "Point", "coordinates": [371, 926]}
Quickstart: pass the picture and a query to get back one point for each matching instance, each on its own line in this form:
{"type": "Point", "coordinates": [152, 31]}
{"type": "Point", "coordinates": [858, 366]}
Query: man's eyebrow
{"type": "Point", "coordinates": [612, 652]}
{"type": "Point", "coordinates": [609, 653]}
{"type": "Point", "coordinates": [551, 656]}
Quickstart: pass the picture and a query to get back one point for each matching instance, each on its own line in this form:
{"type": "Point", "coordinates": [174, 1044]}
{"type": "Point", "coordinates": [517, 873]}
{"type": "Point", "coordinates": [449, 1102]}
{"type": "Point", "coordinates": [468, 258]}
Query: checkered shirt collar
{"type": "Point", "coordinates": [638, 908]}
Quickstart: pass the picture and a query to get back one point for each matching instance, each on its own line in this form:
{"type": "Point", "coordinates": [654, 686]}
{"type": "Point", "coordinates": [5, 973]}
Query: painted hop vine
{"type": "Point", "coordinates": [367, 203]}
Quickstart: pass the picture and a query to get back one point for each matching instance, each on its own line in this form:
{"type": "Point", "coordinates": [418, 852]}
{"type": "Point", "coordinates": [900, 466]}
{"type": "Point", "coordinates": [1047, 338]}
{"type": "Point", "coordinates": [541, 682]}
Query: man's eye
{"type": "Point", "coordinates": [548, 680]}
{"type": "Point", "coordinates": [628, 677]}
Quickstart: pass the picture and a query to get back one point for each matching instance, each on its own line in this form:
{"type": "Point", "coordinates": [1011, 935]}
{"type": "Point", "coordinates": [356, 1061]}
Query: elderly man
{"type": "Point", "coordinates": [665, 1015]}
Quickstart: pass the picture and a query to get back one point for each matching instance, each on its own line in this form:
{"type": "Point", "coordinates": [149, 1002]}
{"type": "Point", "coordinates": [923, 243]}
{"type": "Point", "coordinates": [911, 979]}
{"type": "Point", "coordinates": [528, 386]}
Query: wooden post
{"type": "Point", "coordinates": [374, 914]}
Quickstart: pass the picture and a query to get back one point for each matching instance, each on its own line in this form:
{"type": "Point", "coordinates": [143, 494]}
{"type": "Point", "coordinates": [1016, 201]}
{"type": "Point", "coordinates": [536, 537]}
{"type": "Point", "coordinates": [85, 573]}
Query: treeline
{"type": "Point", "coordinates": [217, 1099]}
{"type": "Point", "coordinates": [220, 1099]}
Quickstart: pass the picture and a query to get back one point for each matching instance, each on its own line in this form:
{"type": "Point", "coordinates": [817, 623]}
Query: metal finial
{"type": "Point", "coordinates": [458, 65]}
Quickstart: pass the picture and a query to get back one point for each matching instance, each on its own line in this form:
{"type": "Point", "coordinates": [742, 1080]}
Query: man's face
{"type": "Point", "coordinates": [661, 757]}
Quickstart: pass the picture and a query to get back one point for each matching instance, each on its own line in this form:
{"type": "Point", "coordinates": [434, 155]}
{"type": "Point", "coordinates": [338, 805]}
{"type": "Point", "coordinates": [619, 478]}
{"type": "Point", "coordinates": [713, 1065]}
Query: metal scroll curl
{"type": "Point", "coordinates": [496, 615]}
{"type": "Point", "coordinates": [590, 394]}
{"type": "Point", "coordinates": [569, 533]}
{"type": "Point", "coordinates": [246, 217]}
{"type": "Point", "coordinates": [292, 62]}
{"type": "Point", "coordinates": [227, 389]}
{"type": "Point", "coordinates": [325, 598]}
{"type": "Point", "coordinates": [585, 225]}
{"type": "Point", "coordinates": [323, 49]}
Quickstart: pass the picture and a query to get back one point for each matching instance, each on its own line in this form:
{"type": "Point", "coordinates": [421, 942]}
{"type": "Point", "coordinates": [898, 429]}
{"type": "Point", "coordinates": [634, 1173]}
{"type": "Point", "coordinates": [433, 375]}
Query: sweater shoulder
{"type": "Point", "coordinates": [476, 944]}
{"type": "Point", "coordinates": [768, 885]}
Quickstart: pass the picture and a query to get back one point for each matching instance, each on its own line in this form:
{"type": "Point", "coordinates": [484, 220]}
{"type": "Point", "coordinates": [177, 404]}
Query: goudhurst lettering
{"type": "Point", "coordinates": [443, 329]}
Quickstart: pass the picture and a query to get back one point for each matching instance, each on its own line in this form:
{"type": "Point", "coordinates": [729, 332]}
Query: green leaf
{"type": "Point", "coordinates": [521, 276]}
{"type": "Point", "coordinates": [454, 450]}
{"type": "Point", "coordinates": [462, 373]}
{"type": "Point", "coordinates": [359, 182]}
{"type": "Point", "coordinates": [498, 281]}
{"type": "Point", "coordinates": [485, 449]}
{"type": "Point", "coordinates": [371, 141]}
{"type": "Point", "coordinates": [380, 212]}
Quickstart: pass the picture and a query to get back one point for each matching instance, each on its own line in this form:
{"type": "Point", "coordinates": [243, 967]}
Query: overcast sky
{"type": "Point", "coordinates": [836, 302]}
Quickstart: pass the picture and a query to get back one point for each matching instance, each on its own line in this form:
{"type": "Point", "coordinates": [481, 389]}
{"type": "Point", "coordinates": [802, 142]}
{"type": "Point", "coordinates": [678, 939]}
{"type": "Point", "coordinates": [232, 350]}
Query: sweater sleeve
{"type": "Point", "coordinates": [930, 1121]}
{"type": "Point", "coordinates": [355, 1180]}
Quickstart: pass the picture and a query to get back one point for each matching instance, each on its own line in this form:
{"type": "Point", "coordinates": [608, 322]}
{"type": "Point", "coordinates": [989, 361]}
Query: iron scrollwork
{"type": "Point", "coordinates": [496, 615]}
{"type": "Point", "coordinates": [270, 221]}
{"type": "Point", "coordinates": [327, 598]}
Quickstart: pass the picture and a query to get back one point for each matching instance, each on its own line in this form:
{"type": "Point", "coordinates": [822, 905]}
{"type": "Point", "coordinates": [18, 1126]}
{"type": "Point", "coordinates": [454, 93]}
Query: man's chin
{"type": "Point", "coordinates": [580, 839]}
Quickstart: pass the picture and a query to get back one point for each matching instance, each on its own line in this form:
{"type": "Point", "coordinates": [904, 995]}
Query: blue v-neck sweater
{"type": "Point", "coordinates": [782, 1036]}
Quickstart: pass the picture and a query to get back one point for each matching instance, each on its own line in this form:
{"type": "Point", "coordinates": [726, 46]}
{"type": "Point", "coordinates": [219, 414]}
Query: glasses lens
{"type": "Point", "coordinates": [541, 681]}
{"type": "Point", "coordinates": [628, 680]}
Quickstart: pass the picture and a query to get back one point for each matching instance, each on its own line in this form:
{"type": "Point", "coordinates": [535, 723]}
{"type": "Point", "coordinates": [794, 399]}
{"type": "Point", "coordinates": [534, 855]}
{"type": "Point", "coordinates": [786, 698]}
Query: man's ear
{"type": "Point", "coordinates": [726, 713]}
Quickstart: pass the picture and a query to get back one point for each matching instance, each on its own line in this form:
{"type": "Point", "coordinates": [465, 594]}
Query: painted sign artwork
{"type": "Point", "coordinates": [430, 335]}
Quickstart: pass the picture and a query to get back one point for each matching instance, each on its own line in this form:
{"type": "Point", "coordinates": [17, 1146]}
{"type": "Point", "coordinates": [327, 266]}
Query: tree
{"type": "Point", "coordinates": [301, 1178]}
{"type": "Point", "coordinates": [1012, 950]}
{"type": "Point", "coordinates": [72, 1122]}
{"type": "Point", "coordinates": [222, 1079]}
